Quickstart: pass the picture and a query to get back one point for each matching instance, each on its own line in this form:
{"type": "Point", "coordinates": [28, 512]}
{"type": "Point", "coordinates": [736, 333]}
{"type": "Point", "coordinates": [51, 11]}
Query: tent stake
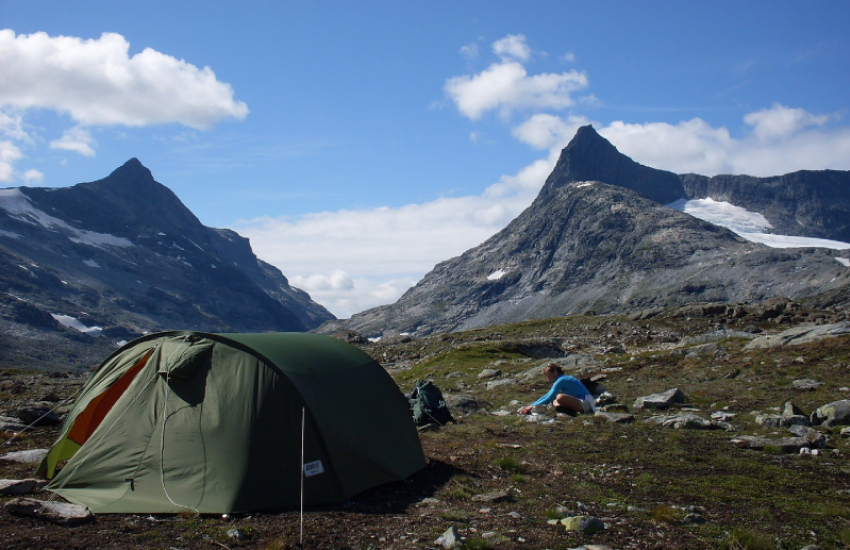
{"type": "Point", "coordinates": [301, 530]}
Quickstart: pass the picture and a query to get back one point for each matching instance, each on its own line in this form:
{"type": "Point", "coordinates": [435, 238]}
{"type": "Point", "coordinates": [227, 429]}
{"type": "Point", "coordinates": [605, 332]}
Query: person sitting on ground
{"type": "Point", "coordinates": [568, 394]}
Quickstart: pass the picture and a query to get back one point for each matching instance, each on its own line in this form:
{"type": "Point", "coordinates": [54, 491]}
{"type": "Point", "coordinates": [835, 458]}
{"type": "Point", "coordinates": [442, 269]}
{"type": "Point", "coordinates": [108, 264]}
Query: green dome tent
{"type": "Point", "coordinates": [213, 423]}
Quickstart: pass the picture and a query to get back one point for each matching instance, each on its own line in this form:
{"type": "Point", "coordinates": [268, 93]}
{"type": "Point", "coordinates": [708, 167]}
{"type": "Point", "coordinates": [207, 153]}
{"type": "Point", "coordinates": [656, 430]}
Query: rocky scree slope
{"type": "Point", "coordinates": [125, 255]}
{"type": "Point", "coordinates": [588, 246]}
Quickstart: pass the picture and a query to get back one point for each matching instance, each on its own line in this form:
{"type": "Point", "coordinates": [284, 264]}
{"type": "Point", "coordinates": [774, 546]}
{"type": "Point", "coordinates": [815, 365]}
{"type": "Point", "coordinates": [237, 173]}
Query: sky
{"type": "Point", "coordinates": [358, 144]}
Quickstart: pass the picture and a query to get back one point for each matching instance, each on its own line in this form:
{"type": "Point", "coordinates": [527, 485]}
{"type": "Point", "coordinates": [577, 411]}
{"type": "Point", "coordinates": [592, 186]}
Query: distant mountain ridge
{"type": "Point", "coordinates": [125, 254]}
{"type": "Point", "coordinates": [598, 238]}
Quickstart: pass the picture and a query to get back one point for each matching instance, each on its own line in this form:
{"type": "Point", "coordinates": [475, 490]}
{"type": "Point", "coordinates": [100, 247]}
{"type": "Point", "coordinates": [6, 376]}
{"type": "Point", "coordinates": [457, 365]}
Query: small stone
{"type": "Point", "coordinates": [806, 384]}
{"type": "Point", "coordinates": [694, 519]}
{"type": "Point", "coordinates": [449, 539]}
{"type": "Point", "coordinates": [495, 497]}
{"type": "Point", "coordinates": [238, 535]}
{"type": "Point", "coordinates": [587, 525]}
{"type": "Point", "coordinates": [489, 373]}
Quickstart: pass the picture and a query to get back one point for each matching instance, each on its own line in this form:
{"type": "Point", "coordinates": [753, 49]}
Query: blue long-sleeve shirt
{"type": "Point", "coordinates": [566, 384]}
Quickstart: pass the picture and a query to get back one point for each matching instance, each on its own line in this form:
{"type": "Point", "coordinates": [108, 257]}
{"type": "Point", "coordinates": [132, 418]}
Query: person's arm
{"type": "Point", "coordinates": [549, 397]}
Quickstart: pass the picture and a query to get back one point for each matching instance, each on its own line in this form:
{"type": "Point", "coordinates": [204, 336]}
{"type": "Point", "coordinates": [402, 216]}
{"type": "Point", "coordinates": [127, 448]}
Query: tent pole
{"type": "Point", "coordinates": [301, 530]}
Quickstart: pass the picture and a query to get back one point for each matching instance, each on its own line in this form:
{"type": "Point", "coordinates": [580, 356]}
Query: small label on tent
{"type": "Point", "coordinates": [313, 468]}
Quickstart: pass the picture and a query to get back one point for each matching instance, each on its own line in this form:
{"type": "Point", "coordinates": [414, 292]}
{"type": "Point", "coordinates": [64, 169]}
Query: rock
{"type": "Point", "coordinates": [801, 430]}
{"type": "Point", "coordinates": [238, 535]}
{"type": "Point", "coordinates": [799, 335]}
{"type": "Point", "coordinates": [587, 525]}
{"type": "Point", "coordinates": [31, 456]}
{"type": "Point", "coordinates": [39, 416]}
{"type": "Point", "coordinates": [790, 409]}
{"type": "Point", "coordinates": [494, 497]}
{"type": "Point", "coordinates": [489, 373]}
{"type": "Point", "coordinates": [605, 398]}
{"type": "Point", "coordinates": [659, 401]}
{"type": "Point", "coordinates": [832, 414]}
{"type": "Point", "coordinates": [785, 444]}
{"type": "Point", "coordinates": [466, 404]}
{"type": "Point", "coordinates": [449, 539]}
{"type": "Point", "coordinates": [534, 373]}
{"type": "Point", "coordinates": [616, 418]}
{"type": "Point", "coordinates": [614, 408]}
{"type": "Point", "coordinates": [18, 486]}
{"type": "Point", "coordinates": [55, 512]}
{"type": "Point", "coordinates": [503, 382]}
{"type": "Point", "coordinates": [689, 421]}
{"type": "Point", "coordinates": [774, 421]}
{"type": "Point", "coordinates": [350, 336]}
{"type": "Point", "coordinates": [704, 350]}
{"type": "Point", "coordinates": [9, 424]}
{"type": "Point", "coordinates": [693, 519]}
{"type": "Point", "coordinates": [806, 384]}
{"type": "Point", "coordinates": [723, 416]}
{"type": "Point", "coordinates": [845, 432]}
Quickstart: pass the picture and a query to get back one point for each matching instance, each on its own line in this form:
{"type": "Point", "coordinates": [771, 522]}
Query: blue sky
{"type": "Point", "coordinates": [357, 144]}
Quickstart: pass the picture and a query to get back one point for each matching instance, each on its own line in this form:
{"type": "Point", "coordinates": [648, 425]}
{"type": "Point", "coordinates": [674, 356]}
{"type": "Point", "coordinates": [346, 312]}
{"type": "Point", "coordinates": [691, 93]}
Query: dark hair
{"type": "Point", "coordinates": [552, 367]}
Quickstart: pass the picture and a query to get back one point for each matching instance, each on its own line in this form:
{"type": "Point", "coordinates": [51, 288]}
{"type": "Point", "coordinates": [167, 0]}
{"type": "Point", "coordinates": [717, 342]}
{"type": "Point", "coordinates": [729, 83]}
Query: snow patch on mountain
{"type": "Point", "coordinates": [496, 275]}
{"type": "Point", "coordinates": [749, 225]}
{"type": "Point", "coordinates": [18, 206]}
{"type": "Point", "coordinates": [76, 324]}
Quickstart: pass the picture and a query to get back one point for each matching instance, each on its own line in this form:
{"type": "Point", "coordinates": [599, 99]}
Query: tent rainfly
{"type": "Point", "coordinates": [213, 423]}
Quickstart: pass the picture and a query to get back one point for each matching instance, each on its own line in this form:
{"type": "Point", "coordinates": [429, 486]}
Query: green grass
{"type": "Point", "coordinates": [745, 539]}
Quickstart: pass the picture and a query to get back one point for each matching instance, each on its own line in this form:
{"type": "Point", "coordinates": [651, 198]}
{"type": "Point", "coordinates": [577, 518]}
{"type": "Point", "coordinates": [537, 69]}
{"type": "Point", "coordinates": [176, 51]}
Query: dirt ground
{"type": "Point", "coordinates": [653, 487]}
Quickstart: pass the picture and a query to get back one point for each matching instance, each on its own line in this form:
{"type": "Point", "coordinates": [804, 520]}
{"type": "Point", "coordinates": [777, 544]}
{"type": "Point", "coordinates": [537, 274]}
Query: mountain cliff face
{"type": "Point", "coordinates": [590, 244]}
{"type": "Point", "coordinates": [124, 255]}
{"type": "Point", "coordinates": [807, 203]}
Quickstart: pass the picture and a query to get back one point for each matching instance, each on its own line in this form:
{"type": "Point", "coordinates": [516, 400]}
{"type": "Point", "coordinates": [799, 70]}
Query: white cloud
{"type": "Point", "coordinates": [544, 131]}
{"type": "Point", "coordinates": [782, 140]}
{"type": "Point", "coordinates": [97, 82]}
{"type": "Point", "coordinates": [512, 46]}
{"type": "Point", "coordinates": [506, 86]}
{"type": "Point", "coordinates": [75, 139]}
{"type": "Point", "coordinates": [689, 146]}
{"type": "Point", "coordinates": [345, 296]}
{"type": "Point", "coordinates": [780, 121]}
{"type": "Point", "coordinates": [11, 125]}
{"type": "Point", "coordinates": [389, 249]}
{"type": "Point", "coordinates": [568, 57]}
{"type": "Point", "coordinates": [33, 177]}
{"type": "Point", "coordinates": [9, 153]}
{"type": "Point", "coordinates": [338, 280]}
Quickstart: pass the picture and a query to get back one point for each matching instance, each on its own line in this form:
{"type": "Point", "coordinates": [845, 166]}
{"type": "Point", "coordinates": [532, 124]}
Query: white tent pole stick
{"type": "Point", "coordinates": [301, 530]}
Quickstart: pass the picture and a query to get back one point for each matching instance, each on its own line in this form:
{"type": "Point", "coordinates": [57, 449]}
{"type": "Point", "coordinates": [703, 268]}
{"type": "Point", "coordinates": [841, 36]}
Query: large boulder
{"type": "Point", "coordinates": [800, 335]}
{"type": "Point", "coordinates": [832, 414]}
{"type": "Point", "coordinates": [659, 401]}
{"type": "Point", "coordinates": [54, 512]}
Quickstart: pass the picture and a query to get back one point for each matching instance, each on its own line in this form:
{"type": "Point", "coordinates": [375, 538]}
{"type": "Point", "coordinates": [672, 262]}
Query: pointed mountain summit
{"type": "Point", "coordinates": [590, 157]}
{"type": "Point", "coordinates": [600, 246]}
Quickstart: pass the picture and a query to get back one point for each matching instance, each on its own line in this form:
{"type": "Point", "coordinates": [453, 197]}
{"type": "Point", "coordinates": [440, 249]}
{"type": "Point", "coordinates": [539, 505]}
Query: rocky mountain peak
{"type": "Point", "coordinates": [591, 157]}
{"type": "Point", "coordinates": [132, 170]}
